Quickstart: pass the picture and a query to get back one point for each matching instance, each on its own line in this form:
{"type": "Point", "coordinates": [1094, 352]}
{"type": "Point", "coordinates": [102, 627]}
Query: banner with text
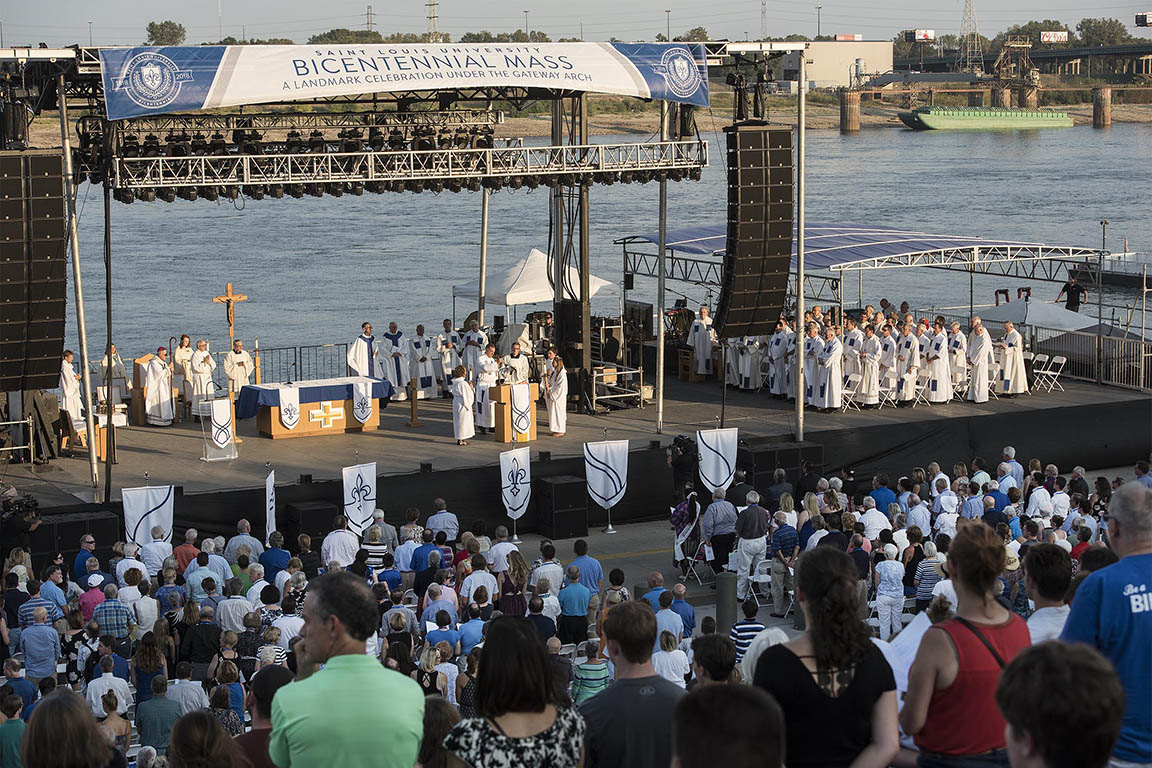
{"type": "Point", "coordinates": [147, 507]}
{"type": "Point", "coordinates": [162, 79]}
{"type": "Point", "coordinates": [515, 481]}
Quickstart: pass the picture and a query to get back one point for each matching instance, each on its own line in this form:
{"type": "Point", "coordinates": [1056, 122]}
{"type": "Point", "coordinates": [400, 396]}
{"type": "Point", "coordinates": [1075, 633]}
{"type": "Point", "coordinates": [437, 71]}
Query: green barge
{"type": "Point", "coordinates": [983, 119]}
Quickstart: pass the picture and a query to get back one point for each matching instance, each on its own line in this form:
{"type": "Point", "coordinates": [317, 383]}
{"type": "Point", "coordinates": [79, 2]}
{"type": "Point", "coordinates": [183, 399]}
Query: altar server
{"type": "Point", "coordinates": [980, 358]}
{"type": "Point", "coordinates": [791, 361]}
{"type": "Point", "coordinates": [868, 392]}
{"type": "Point", "coordinates": [813, 346]}
{"type": "Point", "coordinates": [778, 360]}
{"type": "Point", "coordinates": [394, 361]}
{"type": "Point", "coordinates": [448, 343]}
{"type": "Point", "coordinates": [831, 371]}
{"type": "Point", "coordinates": [907, 365]}
{"type": "Point", "coordinates": [182, 372]}
{"type": "Point", "coordinates": [363, 354]}
{"type": "Point", "coordinates": [1013, 379]}
{"type": "Point", "coordinates": [887, 354]}
{"type": "Point", "coordinates": [749, 356]}
{"type": "Point", "coordinates": [853, 340]}
{"type": "Point", "coordinates": [119, 374]}
{"type": "Point", "coordinates": [474, 342]}
{"type": "Point", "coordinates": [463, 402]}
{"type": "Point", "coordinates": [924, 340]}
{"type": "Point", "coordinates": [556, 395]}
{"type": "Point", "coordinates": [238, 367]}
{"type": "Point", "coordinates": [702, 339]}
{"type": "Point", "coordinates": [486, 373]}
{"type": "Point", "coordinates": [958, 354]}
{"type": "Point", "coordinates": [514, 367]}
{"type": "Point", "coordinates": [939, 373]}
{"type": "Point", "coordinates": [201, 367]}
{"type": "Point", "coordinates": [70, 399]}
{"type": "Point", "coordinates": [158, 405]}
{"type": "Point", "coordinates": [420, 365]}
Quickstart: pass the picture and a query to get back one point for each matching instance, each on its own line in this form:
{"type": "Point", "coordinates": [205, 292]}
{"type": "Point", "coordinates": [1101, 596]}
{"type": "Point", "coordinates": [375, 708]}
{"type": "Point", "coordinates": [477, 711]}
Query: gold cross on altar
{"type": "Point", "coordinates": [326, 414]}
{"type": "Point", "coordinates": [230, 300]}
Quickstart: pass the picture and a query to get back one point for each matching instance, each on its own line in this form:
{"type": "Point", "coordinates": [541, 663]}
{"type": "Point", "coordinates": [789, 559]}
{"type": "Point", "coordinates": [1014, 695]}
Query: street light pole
{"type": "Point", "coordinates": [668, 24]}
{"type": "Point", "coordinates": [526, 25]}
{"type": "Point", "coordinates": [89, 34]}
{"type": "Point", "coordinates": [818, 20]}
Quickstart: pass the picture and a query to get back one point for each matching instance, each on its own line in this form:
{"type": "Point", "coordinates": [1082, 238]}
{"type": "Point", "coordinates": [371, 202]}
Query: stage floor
{"type": "Point", "coordinates": [172, 455]}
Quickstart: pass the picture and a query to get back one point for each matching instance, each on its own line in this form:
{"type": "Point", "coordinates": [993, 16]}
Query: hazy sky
{"type": "Point", "coordinates": [122, 22]}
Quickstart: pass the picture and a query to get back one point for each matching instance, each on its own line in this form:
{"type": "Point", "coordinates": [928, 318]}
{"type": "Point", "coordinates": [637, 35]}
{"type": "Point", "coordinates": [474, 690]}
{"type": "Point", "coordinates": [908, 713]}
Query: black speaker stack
{"type": "Point", "coordinates": [760, 225]}
{"type": "Point", "coordinates": [760, 459]}
{"type": "Point", "coordinates": [561, 506]}
{"type": "Point", "coordinates": [33, 269]}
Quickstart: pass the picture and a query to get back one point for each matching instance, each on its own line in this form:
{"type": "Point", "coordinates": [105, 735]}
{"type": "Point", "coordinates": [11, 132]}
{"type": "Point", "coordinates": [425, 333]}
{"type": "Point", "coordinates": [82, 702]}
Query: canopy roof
{"type": "Point", "coordinates": [525, 282]}
{"type": "Point", "coordinates": [1037, 313]}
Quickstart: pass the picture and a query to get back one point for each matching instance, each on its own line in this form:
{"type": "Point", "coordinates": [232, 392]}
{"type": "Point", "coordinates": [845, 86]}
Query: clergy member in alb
{"type": "Point", "coordinates": [486, 372]}
{"type": "Point", "coordinates": [1013, 379]}
{"type": "Point", "coordinates": [394, 361]}
{"type": "Point", "coordinates": [778, 360]}
{"type": "Point", "coordinates": [363, 354]}
{"type": "Point", "coordinates": [463, 403]}
{"type": "Point", "coordinates": [702, 338]}
{"type": "Point", "coordinates": [474, 342]}
{"type": "Point", "coordinates": [813, 346]}
{"type": "Point", "coordinates": [980, 359]}
{"type": "Point", "coordinates": [556, 395]}
{"type": "Point", "coordinates": [887, 368]}
{"type": "Point", "coordinates": [238, 368]}
{"type": "Point", "coordinates": [749, 354]}
{"type": "Point", "coordinates": [420, 366]}
{"type": "Point", "coordinates": [448, 344]}
{"type": "Point", "coordinates": [182, 372]}
{"type": "Point", "coordinates": [70, 399]}
{"type": "Point", "coordinates": [939, 373]}
{"type": "Point", "coordinates": [791, 361]}
{"type": "Point", "coordinates": [514, 367]}
{"type": "Point", "coordinates": [868, 391]}
{"type": "Point", "coordinates": [831, 372]}
{"type": "Point", "coordinates": [853, 339]}
{"type": "Point", "coordinates": [958, 354]}
{"type": "Point", "coordinates": [119, 375]}
{"type": "Point", "coordinates": [201, 366]}
{"type": "Point", "coordinates": [158, 405]}
{"type": "Point", "coordinates": [907, 365]}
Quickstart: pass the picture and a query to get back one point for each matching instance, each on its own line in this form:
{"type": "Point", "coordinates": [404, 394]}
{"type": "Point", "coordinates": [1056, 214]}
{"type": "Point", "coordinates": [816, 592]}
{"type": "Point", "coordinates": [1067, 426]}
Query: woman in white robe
{"type": "Point", "coordinates": [70, 399]}
{"type": "Point", "coordinates": [556, 395]}
{"type": "Point", "coordinates": [463, 401]}
{"type": "Point", "coordinates": [980, 359]}
{"type": "Point", "coordinates": [1013, 379]}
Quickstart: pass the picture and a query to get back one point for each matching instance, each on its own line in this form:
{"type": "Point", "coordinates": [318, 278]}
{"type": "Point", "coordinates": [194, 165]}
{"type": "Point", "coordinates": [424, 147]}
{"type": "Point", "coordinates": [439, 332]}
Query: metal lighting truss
{"type": "Point", "coordinates": [1033, 261]}
{"type": "Point", "coordinates": [273, 121]}
{"type": "Point", "coordinates": [703, 272]}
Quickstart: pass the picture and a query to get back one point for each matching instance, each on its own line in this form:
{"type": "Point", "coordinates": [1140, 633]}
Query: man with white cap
{"type": "Point", "coordinates": [946, 520]}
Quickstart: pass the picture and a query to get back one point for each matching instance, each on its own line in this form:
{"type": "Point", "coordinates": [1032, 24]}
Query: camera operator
{"type": "Point", "coordinates": [684, 462]}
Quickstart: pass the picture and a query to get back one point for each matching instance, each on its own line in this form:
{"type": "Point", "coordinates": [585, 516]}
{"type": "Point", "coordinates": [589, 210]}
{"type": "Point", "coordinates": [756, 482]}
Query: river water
{"type": "Point", "coordinates": [315, 268]}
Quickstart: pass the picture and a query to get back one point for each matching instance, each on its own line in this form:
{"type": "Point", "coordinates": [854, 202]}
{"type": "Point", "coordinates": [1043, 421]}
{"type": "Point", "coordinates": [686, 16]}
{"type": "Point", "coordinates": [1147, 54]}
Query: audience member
{"type": "Point", "coordinates": [64, 734]}
{"type": "Point", "coordinates": [732, 726]}
{"type": "Point", "coordinates": [258, 700]}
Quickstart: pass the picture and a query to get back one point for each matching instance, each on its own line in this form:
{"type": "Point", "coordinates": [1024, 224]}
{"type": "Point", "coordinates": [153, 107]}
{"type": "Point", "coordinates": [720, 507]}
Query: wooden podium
{"type": "Point", "coordinates": [501, 396]}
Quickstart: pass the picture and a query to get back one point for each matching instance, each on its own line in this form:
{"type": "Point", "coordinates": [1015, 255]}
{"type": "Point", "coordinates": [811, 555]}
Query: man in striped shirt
{"type": "Point", "coordinates": [785, 548]}
{"type": "Point", "coordinates": [744, 631]}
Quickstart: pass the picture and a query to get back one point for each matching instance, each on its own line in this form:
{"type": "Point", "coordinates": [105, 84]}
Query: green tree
{"type": "Point", "coordinates": [694, 35]}
{"type": "Point", "coordinates": [343, 36]}
{"type": "Point", "coordinates": [660, 38]}
{"type": "Point", "coordinates": [1032, 30]}
{"type": "Point", "coordinates": [165, 33]}
{"type": "Point", "coordinates": [253, 41]}
{"type": "Point", "coordinates": [1094, 32]}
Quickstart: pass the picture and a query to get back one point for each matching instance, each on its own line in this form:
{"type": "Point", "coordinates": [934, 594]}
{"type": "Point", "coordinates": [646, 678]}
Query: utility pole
{"type": "Point", "coordinates": [433, 7]}
{"type": "Point", "coordinates": [219, 19]}
{"type": "Point", "coordinates": [89, 34]}
{"type": "Point", "coordinates": [529, 36]}
{"type": "Point", "coordinates": [581, 31]}
{"type": "Point", "coordinates": [763, 19]}
{"type": "Point", "coordinates": [368, 19]}
{"type": "Point", "coordinates": [818, 20]}
{"type": "Point", "coordinates": [668, 24]}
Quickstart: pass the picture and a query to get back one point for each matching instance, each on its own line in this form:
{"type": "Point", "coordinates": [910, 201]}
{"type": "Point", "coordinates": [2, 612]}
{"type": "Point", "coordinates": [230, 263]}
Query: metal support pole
{"type": "Point", "coordinates": [801, 332]}
{"type": "Point", "coordinates": [585, 251]}
{"type": "Point", "coordinates": [77, 285]}
{"type": "Point", "coordinates": [111, 430]}
{"type": "Point", "coordinates": [557, 203]}
{"type": "Point", "coordinates": [1100, 301]}
{"type": "Point", "coordinates": [484, 195]}
{"type": "Point", "coordinates": [609, 529]}
{"type": "Point", "coordinates": [661, 244]}
{"type": "Point", "coordinates": [723, 379]}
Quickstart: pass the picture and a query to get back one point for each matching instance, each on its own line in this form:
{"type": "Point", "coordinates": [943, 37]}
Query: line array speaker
{"type": "Point", "coordinates": [760, 225]}
{"type": "Point", "coordinates": [561, 506]}
{"type": "Point", "coordinates": [33, 269]}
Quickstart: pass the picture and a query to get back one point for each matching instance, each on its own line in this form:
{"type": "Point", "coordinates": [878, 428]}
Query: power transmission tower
{"type": "Point", "coordinates": [433, 17]}
{"type": "Point", "coordinates": [763, 19]}
{"type": "Point", "coordinates": [368, 16]}
{"type": "Point", "coordinates": [971, 49]}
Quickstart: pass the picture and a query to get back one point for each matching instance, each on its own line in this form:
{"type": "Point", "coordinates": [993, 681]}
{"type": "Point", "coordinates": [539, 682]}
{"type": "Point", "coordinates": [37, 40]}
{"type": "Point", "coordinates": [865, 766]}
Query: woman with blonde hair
{"type": "Point", "coordinates": [611, 600]}
{"type": "Point", "coordinates": [17, 556]}
{"type": "Point", "coordinates": [809, 508]}
{"type": "Point", "coordinates": [430, 680]}
{"type": "Point", "coordinates": [471, 547]}
{"type": "Point", "coordinates": [513, 585]}
{"type": "Point", "coordinates": [788, 507]}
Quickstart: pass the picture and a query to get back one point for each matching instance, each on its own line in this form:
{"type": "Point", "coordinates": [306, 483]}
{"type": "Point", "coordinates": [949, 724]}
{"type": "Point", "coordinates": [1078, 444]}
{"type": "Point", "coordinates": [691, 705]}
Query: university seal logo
{"type": "Point", "coordinates": [680, 72]}
{"type": "Point", "coordinates": [152, 80]}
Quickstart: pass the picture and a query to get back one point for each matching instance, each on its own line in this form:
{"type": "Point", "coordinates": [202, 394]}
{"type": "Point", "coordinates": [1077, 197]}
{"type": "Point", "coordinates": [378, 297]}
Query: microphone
{"type": "Point", "coordinates": [292, 367]}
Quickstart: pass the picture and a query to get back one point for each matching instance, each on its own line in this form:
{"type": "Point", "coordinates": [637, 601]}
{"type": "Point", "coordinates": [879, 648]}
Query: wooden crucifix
{"type": "Point", "coordinates": [230, 300]}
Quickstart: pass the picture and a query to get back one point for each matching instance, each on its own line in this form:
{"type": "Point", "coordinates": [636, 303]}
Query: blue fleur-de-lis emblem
{"type": "Point", "coordinates": [516, 477]}
{"type": "Point", "coordinates": [291, 411]}
{"type": "Point", "coordinates": [360, 491]}
{"type": "Point", "coordinates": [363, 408]}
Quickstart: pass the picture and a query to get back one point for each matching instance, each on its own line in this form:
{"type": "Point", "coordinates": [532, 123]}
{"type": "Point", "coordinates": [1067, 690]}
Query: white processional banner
{"type": "Point", "coordinates": [289, 407]}
{"type": "Point", "coordinates": [515, 481]}
{"type": "Point", "coordinates": [144, 508]}
{"type": "Point", "coordinates": [359, 496]}
{"type": "Point", "coordinates": [269, 504]}
{"type": "Point", "coordinates": [717, 449]}
{"type": "Point", "coordinates": [154, 80]}
{"type": "Point", "coordinates": [362, 403]}
{"type": "Point", "coordinates": [521, 407]}
{"type": "Point", "coordinates": [606, 470]}
{"type": "Point", "coordinates": [221, 422]}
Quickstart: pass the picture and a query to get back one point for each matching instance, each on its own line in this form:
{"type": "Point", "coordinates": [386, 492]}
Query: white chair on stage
{"type": "Point", "coordinates": [888, 391]}
{"type": "Point", "coordinates": [1049, 377]}
{"type": "Point", "coordinates": [849, 391]}
{"type": "Point", "coordinates": [919, 387]}
{"type": "Point", "coordinates": [1039, 369]}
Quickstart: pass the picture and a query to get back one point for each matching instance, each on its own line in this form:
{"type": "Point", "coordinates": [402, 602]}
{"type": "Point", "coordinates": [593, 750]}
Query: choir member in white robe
{"type": "Point", "coordinates": [394, 361]}
{"type": "Point", "coordinates": [790, 362]}
{"type": "Point", "coordinates": [813, 346]}
{"type": "Point", "coordinates": [887, 354]}
{"type": "Point", "coordinates": [958, 354]}
{"type": "Point", "coordinates": [201, 367]}
{"type": "Point", "coordinates": [1013, 379]}
{"type": "Point", "coordinates": [70, 399]}
{"type": "Point", "coordinates": [778, 357]}
{"type": "Point", "coordinates": [702, 339]}
{"type": "Point", "coordinates": [463, 404]}
{"type": "Point", "coordinates": [556, 395]}
{"type": "Point", "coordinates": [939, 373]}
{"type": "Point", "coordinates": [853, 339]}
{"type": "Point", "coordinates": [980, 358]}
{"type": "Point", "coordinates": [474, 342]}
{"type": "Point", "coordinates": [182, 368]}
{"type": "Point", "coordinates": [120, 387]}
{"type": "Point", "coordinates": [514, 367]}
{"type": "Point", "coordinates": [159, 408]}
{"type": "Point", "coordinates": [238, 368]}
{"type": "Point", "coordinates": [420, 365]}
{"type": "Point", "coordinates": [924, 339]}
{"type": "Point", "coordinates": [364, 353]}
{"type": "Point", "coordinates": [868, 392]}
{"type": "Point", "coordinates": [830, 372]}
{"type": "Point", "coordinates": [486, 372]}
{"type": "Point", "coordinates": [907, 365]}
{"type": "Point", "coordinates": [448, 344]}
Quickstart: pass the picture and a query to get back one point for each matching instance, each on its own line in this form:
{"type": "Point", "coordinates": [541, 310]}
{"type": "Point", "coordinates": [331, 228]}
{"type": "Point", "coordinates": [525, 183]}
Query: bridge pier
{"type": "Point", "coordinates": [1028, 97]}
{"type": "Point", "coordinates": [1101, 107]}
{"type": "Point", "coordinates": [1002, 97]}
{"type": "Point", "coordinates": [976, 98]}
{"type": "Point", "coordinates": [849, 111]}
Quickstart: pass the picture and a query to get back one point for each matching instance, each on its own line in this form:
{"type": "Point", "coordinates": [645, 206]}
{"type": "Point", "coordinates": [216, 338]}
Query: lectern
{"type": "Point", "coordinates": [515, 412]}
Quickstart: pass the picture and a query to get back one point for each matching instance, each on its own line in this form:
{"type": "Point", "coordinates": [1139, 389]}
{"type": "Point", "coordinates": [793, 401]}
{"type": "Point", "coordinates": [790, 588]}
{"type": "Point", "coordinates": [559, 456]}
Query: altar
{"type": "Point", "coordinates": [315, 407]}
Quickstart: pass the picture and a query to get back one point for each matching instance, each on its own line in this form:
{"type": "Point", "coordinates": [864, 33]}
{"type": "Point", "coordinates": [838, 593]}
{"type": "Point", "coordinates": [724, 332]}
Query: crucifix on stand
{"type": "Point", "coordinates": [230, 299]}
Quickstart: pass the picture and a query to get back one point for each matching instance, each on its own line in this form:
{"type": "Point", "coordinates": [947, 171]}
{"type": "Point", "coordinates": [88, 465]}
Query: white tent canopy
{"type": "Point", "coordinates": [1036, 313]}
{"type": "Point", "coordinates": [525, 282]}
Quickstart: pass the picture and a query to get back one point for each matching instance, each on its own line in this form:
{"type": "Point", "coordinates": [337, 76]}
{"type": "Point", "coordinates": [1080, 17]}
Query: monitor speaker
{"type": "Point", "coordinates": [760, 226]}
{"type": "Point", "coordinates": [33, 269]}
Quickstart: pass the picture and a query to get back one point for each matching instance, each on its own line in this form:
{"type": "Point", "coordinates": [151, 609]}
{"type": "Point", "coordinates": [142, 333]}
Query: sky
{"type": "Point", "coordinates": [122, 22]}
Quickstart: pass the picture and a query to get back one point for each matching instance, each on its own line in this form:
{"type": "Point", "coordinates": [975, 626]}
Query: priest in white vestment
{"type": "Point", "coordinates": [556, 396]}
{"type": "Point", "coordinates": [830, 372]}
{"type": "Point", "coordinates": [868, 391]}
{"type": "Point", "coordinates": [958, 354]}
{"type": "Point", "coordinates": [813, 346]}
{"type": "Point", "coordinates": [1013, 379]}
{"type": "Point", "coordinates": [238, 368]}
{"type": "Point", "coordinates": [182, 371]}
{"type": "Point", "coordinates": [463, 405]}
{"type": "Point", "coordinates": [702, 339]}
{"type": "Point", "coordinates": [791, 362]}
{"type": "Point", "coordinates": [939, 373]}
{"type": "Point", "coordinates": [475, 340]}
{"type": "Point", "coordinates": [887, 354]}
{"type": "Point", "coordinates": [421, 367]}
{"type": "Point", "coordinates": [514, 367]}
{"type": "Point", "coordinates": [907, 365]}
{"type": "Point", "coordinates": [924, 339]}
{"type": "Point", "coordinates": [750, 356]}
{"type": "Point", "coordinates": [853, 340]}
{"type": "Point", "coordinates": [70, 399]}
{"type": "Point", "coordinates": [394, 361]}
{"type": "Point", "coordinates": [159, 408]}
{"type": "Point", "coordinates": [364, 354]}
{"type": "Point", "coordinates": [120, 386]}
{"type": "Point", "coordinates": [980, 359]}
{"type": "Point", "coordinates": [201, 367]}
{"type": "Point", "coordinates": [778, 361]}
{"type": "Point", "coordinates": [486, 373]}
{"type": "Point", "coordinates": [448, 344]}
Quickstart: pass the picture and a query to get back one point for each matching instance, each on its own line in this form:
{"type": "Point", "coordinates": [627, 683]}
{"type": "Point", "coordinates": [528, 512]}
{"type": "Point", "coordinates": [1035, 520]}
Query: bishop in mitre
{"type": "Point", "coordinates": [119, 375]}
{"type": "Point", "coordinates": [363, 354]}
{"type": "Point", "coordinates": [160, 410]}
{"type": "Point", "coordinates": [394, 361]}
{"type": "Point", "coordinates": [238, 368]}
{"type": "Point", "coordinates": [421, 364]}
{"type": "Point", "coordinates": [702, 339]}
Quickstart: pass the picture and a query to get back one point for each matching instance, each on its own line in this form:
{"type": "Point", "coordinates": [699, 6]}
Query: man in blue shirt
{"type": "Point", "coordinates": [591, 574]}
{"type": "Point", "coordinates": [681, 606]}
{"type": "Point", "coordinates": [420, 554]}
{"type": "Point", "coordinates": [41, 647]}
{"type": "Point", "coordinates": [107, 647]}
{"type": "Point", "coordinates": [80, 564]}
{"type": "Point", "coordinates": [471, 631]}
{"type": "Point", "coordinates": [997, 495]}
{"type": "Point", "coordinates": [50, 588]}
{"type": "Point", "coordinates": [973, 506]}
{"type": "Point", "coordinates": [433, 604]}
{"type": "Point", "coordinates": [906, 486]}
{"type": "Point", "coordinates": [388, 573]}
{"type": "Point", "coordinates": [21, 686]}
{"type": "Point", "coordinates": [667, 620]}
{"type": "Point", "coordinates": [574, 599]}
{"type": "Point", "coordinates": [655, 589]}
{"type": "Point", "coordinates": [275, 558]}
{"type": "Point", "coordinates": [1143, 476]}
{"type": "Point", "coordinates": [881, 493]}
{"type": "Point", "coordinates": [34, 601]}
{"type": "Point", "coordinates": [1112, 612]}
{"type": "Point", "coordinates": [1015, 469]}
{"type": "Point", "coordinates": [444, 632]}
{"type": "Point", "coordinates": [193, 582]}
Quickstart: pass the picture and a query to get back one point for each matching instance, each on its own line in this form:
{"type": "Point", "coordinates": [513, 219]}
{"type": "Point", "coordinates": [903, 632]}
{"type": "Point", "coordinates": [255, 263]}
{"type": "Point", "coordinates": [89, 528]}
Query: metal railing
{"type": "Point", "coordinates": [31, 447]}
{"type": "Point", "coordinates": [285, 120]}
{"type": "Point", "coordinates": [617, 383]}
{"type": "Point", "coordinates": [1125, 361]}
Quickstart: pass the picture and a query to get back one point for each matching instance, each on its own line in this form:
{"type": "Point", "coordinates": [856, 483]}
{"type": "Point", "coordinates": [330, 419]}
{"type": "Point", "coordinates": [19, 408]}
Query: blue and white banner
{"type": "Point", "coordinates": [222, 422]}
{"type": "Point", "coordinates": [359, 496]}
{"type": "Point", "coordinates": [515, 481]}
{"type": "Point", "coordinates": [717, 449]}
{"type": "Point", "coordinates": [144, 508]}
{"type": "Point", "coordinates": [269, 504]}
{"type": "Point", "coordinates": [161, 79]}
{"type": "Point", "coordinates": [606, 470]}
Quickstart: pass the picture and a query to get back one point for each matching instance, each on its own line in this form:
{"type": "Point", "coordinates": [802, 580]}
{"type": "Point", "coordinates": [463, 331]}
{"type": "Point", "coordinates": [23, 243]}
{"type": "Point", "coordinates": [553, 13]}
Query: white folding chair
{"type": "Point", "coordinates": [765, 372]}
{"type": "Point", "coordinates": [993, 379]}
{"type": "Point", "coordinates": [888, 391]}
{"type": "Point", "coordinates": [849, 391]}
{"type": "Point", "coordinates": [761, 585]}
{"type": "Point", "coordinates": [1027, 355]}
{"type": "Point", "coordinates": [1051, 374]}
{"type": "Point", "coordinates": [1039, 371]}
{"type": "Point", "coordinates": [568, 651]}
{"type": "Point", "coordinates": [920, 385]}
{"type": "Point", "coordinates": [410, 598]}
{"type": "Point", "coordinates": [697, 565]}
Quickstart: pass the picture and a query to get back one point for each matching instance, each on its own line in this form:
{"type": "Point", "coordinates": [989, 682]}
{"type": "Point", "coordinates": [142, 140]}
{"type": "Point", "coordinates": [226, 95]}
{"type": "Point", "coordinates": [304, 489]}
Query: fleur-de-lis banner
{"type": "Point", "coordinates": [515, 481]}
{"type": "Point", "coordinates": [144, 508]}
{"type": "Point", "coordinates": [606, 469]}
{"type": "Point", "coordinates": [270, 504]}
{"type": "Point", "coordinates": [717, 456]}
{"type": "Point", "coordinates": [289, 407]}
{"type": "Point", "coordinates": [359, 496]}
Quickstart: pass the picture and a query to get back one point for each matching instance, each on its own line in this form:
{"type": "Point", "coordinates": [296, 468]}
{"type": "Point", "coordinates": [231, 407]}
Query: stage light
{"type": "Point", "coordinates": [397, 142]}
{"type": "Point", "coordinates": [296, 190]}
{"type": "Point", "coordinates": [625, 177]}
{"type": "Point", "coordinates": [423, 141]}
{"type": "Point", "coordinates": [455, 185]}
{"type": "Point", "coordinates": [462, 139]}
{"type": "Point", "coordinates": [151, 146]}
{"type": "Point", "coordinates": [316, 190]}
{"type": "Point", "coordinates": [316, 142]}
{"type": "Point", "coordinates": [256, 192]}
{"type": "Point", "coordinates": [375, 139]}
{"type": "Point", "coordinates": [606, 178]}
{"type": "Point", "coordinates": [217, 145]}
{"type": "Point", "coordinates": [436, 186]}
{"type": "Point", "coordinates": [177, 145]}
{"type": "Point", "coordinates": [294, 143]}
{"type": "Point", "coordinates": [350, 140]}
{"type": "Point", "coordinates": [397, 186]}
{"type": "Point", "coordinates": [250, 143]}
{"type": "Point", "coordinates": [167, 194]}
{"type": "Point", "coordinates": [532, 182]}
{"type": "Point", "coordinates": [415, 185]}
{"type": "Point", "coordinates": [147, 195]}
{"type": "Point", "coordinates": [484, 139]}
{"type": "Point", "coordinates": [124, 195]}
{"type": "Point", "coordinates": [515, 182]}
{"type": "Point", "coordinates": [230, 192]}
{"type": "Point", "coordinates": [198, 145]}
{"type": "Point", "coordinates": [443, 140]}
{"type": "Point", "coordinates": [474, 185]}
{"type": "Point", "coordinates": [130, 146]}
{"type": "Point", "coordinates": [376, 187]}
{"type": "Point", "coordinates": [694, 174]}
